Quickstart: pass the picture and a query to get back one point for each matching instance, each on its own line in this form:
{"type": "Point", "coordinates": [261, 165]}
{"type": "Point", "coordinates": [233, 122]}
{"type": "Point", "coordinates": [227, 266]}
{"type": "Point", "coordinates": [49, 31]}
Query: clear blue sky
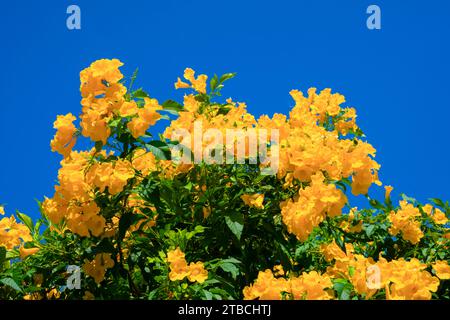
{"type": "Point", "coordinates": [398, 78]}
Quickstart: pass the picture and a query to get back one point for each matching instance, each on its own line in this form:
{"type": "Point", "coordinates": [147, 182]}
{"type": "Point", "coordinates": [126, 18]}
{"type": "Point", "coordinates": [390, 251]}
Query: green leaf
{"type": "Point", "coordinates": [98, 146]}
{"type": "Point", "coordinates": [230, 268]}
{"type": "Point", "coordinates": [157, 152]}
{"type": "Point", "coordinates": [170, 111]}
{"type": "Point", "coordinates": [125, 222]}
{"type": "Point", "coordinates": [351, 271]}
{"type": "Point", "coordinates": [345, 294]}
{"type": "Point", "coordinates": [141, 94]}
{"type": "Point", "coordinates": [133, 78]}
{"type": "Point", "coordinates": [409, 199]}
{"type": "Point", "coordinates": [114, 123]}
{"type": "Point", "coordinates": [235, 222]}
{"type": "Point", "coordinates": [2, 256]}
{"type": "Point", "coordinates": [369, 229]}
{"type": "Point", "coordinates": [208, 295]}
{"type": "Point", "coordinates": [226, 77]}
{"type": "Point", "coordinates": [343, 288]}
{"type": "Point", "coordinates": [340, 242]}
{"type": "Point", "coordinates": [214, 82]}
{"type": "Point", "coordinates": [11, 283]}
{"type": "Point", "coordinates": [172, 105]}
{"type": "Point", "coordinates": [437, 202]}
{"type": "Point", "coordinates": [26, 220]}
{"type": "Point", "coordinates": [231, 260]}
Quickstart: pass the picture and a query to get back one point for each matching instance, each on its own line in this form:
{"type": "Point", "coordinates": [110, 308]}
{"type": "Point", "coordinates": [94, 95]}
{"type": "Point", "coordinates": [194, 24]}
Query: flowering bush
{"type": "Point", "coordinates": [142, 224]}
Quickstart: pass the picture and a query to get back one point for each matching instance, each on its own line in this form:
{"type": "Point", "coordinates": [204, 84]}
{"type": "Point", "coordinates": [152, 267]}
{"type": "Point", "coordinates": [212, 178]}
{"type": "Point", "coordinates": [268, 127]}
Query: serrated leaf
{"type": "Point", "coordinates": [25, 219]}
{"type": "Point", "coordinates": [235, 223]}
{"type": "Point", "coordinates": [11, 283]}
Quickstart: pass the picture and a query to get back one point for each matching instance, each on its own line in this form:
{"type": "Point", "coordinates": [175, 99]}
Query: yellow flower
{"type": "Point", "coordinates": [146, 117]}
{"type": "Point", "coordinates": [144, 161]}
{"type": "Point", "coordinates": [27, 252]}
{"type": "Point", "coordinates": [179, 269]}
{"type": "Point", "coordinates": [92, 78]}
{"type": "Point", "coordinates": [2, 210]}
{"type": "Point", "coordinates": [128, 108]}
{"type": "Point", "coordinates": [305, 212]}
{"type": "Point", "coordinates": [404, 221]}
{"type": "Point", "coordinates": [111, 175]}
{"type": "Point", "coordinates": [197, 272]}
{"type": "Point", "coordinates": [64, 139]}
{"type": "Point", "coordinates": [12, 234]}
{"type": "Point", "coordinates": [175, 255]}
{"type": "Point", "coordinates": [198, 84]}
{"type": "Point", "coordinates": [436, 214]}
{"type": "Point", "coordinates": [253, 200]}
{"type": "Point", "coordinates": [97, 267]}
{"type": "Point", "coordinates": [309, 286]}
{"type": "Point", "coordinates": [88, 296]}
{"type": "Point", "coordinates": [387, 194]}
{"type": "Point", "coordinates": [53, 294]}
{"type": "Point", "coordinates": [95, 126]}
{"type": "Point", "coordinates": [181, 85]}
{"type": "Point", "coordinates": [33, 296]}
{"type": "Point", "coordinates": [442, 270]}
{"type": "Point", "coordinates": [206, 211]}
{"type": "Point", "coordinates": [278, 270]}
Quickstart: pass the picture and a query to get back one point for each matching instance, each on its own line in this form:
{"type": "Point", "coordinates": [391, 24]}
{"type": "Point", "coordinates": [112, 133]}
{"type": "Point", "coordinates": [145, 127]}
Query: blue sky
{"type": "Point", "coordinates": [396, 77]}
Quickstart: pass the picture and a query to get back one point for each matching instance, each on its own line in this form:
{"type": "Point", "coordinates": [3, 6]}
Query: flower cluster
{"type": "Point", "coordinates": [97, 267]}
{"type": "Point", "coordinates": [307, 286]}
{"type": "Point", "coordinates": [311, 141]}
{"type": "Point", "coordinates": [198, 84]}
{"type": "Point", "coordinates": [401, 279]}
{"type": "Point", "coordinates": [311, 207]}
{"type": "Point", "coordinates": [404, 221]}
{"type": "Point", "coordinates": [12, 233]}
{"type": "Point", "coordinates": [179, 268]}
{"type": "Point", "coordinates": [253, 200]}
{"type": "Point", "coordinates": [65, 138]}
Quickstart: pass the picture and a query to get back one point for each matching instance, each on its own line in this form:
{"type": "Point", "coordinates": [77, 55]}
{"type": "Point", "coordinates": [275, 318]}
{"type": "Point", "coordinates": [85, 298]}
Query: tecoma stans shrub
{"type": "Point", "coordinates": [138, 222]}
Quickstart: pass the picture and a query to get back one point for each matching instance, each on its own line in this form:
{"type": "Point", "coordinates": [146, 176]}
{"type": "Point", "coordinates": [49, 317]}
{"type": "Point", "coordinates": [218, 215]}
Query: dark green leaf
{"type": "Point", "coordinates": [235, 222]}
{"type": "Point", "coordinates": [230, 268]}
{"type": "Point", "coordinates": [2, 256]}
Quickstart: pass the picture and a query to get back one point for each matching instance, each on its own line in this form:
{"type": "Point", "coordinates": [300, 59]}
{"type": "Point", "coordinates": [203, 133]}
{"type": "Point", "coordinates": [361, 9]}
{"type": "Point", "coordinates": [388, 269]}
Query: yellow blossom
{"type": "Point", "coordinates": [253, 200]}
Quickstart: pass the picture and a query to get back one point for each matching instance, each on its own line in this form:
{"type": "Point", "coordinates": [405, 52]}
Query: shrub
{"type": "Point", "coordinates": [141, 224]}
